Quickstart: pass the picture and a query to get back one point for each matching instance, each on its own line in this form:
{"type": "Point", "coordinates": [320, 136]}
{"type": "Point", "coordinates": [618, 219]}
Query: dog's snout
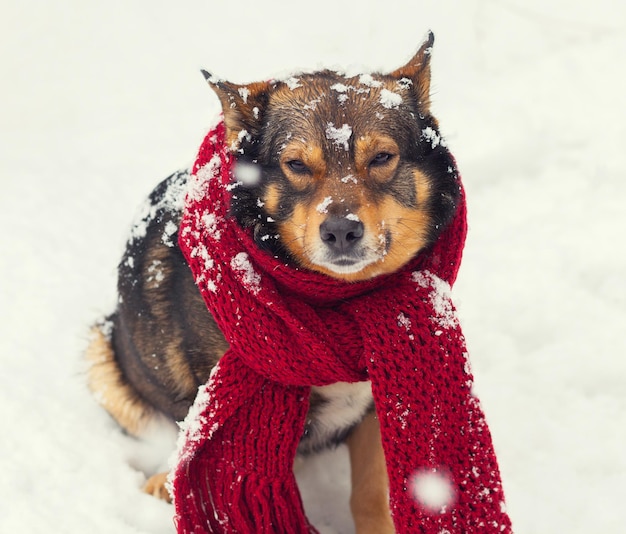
{"type": "Point", "coordinates": [341, 234]}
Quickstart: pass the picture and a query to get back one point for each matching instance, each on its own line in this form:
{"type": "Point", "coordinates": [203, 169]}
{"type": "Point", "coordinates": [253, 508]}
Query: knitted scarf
{"type": "Point", "coordinates": [290, 329]}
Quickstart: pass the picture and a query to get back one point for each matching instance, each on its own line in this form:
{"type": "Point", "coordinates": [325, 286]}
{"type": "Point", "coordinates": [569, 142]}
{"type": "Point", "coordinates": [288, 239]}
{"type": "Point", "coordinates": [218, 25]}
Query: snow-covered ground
{"type": "Point", "coordinates": [102, 99]}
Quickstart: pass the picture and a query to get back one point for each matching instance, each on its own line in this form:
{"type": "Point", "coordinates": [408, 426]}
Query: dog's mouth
{"type": "Point", "coordinates": [345, 264]}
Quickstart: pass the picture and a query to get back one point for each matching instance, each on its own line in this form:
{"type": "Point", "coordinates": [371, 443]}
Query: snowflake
{"type": "Point", "coordinates": [433, 489]}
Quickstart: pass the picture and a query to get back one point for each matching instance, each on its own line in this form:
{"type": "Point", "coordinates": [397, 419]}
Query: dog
{"type": "Point", "coordinates": [335, 174]}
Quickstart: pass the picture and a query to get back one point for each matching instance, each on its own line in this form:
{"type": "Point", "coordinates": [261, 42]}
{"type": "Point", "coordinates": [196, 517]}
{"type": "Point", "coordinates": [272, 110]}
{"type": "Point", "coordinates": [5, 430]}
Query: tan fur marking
{"type": "Point", "coordinates": [311, 155]}
{"type": "Point", "coordinates": [407, 228]}
{"type": "Point", "coordinates": [369, 500]}
{"type": "Point", "coordinates": [180, 370]}
{"type": "Point", "coordinates": [367, 147]}
{"type": "Point", "coordinates": [422, 187]}
{"type": "Point", "coordinates": [232, 136]}
{"type": "Point", "coordinates": [271, 199]}
{"type": "Point", "coordinates": [294, 150]}
{"type": "Point", "coordinates": [409, 232]}
{"type": "Point", "coordinates": [292, 232]}
{"type": "Point", "coordinates": [111, 391]}
{"type": "Point", "coordinates": [314, 159]}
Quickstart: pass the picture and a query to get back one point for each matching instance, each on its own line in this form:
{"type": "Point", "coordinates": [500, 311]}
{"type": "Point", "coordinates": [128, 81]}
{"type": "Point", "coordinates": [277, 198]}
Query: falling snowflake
{"type": "Point", "coordinates": [249, 174]}
{"type": "Point", "coordinates": [433, 490]}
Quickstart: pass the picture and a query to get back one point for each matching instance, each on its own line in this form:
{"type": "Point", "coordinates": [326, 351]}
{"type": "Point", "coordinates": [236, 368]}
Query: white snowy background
{"type": "Point", "coordinates": [100, 100]}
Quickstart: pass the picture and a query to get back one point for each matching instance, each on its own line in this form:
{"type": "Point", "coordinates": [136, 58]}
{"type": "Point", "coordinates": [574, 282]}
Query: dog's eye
{"type": "Point", "coordinates": [381, 159]}
{"type": "Point", "coordinates": [297, 166]}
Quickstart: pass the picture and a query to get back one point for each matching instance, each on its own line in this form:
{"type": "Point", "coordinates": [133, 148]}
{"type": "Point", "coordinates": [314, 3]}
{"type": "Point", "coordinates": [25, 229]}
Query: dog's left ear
{"type": "Point", "coordinates": [243, 107]}
{"type": "Point", "coordinates": [417, 70]}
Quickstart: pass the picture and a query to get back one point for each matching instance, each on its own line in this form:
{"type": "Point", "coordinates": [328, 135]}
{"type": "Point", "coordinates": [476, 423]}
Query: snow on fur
{"type": "Point", "coordinates": [339, 136]}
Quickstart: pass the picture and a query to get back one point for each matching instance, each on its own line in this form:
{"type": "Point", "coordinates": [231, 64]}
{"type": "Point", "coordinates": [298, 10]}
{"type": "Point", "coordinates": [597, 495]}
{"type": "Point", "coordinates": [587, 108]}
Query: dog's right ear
{"type": "Point", "coordinates": [417, 70]}
{"type": "Point", "coordinates": [243, 107]}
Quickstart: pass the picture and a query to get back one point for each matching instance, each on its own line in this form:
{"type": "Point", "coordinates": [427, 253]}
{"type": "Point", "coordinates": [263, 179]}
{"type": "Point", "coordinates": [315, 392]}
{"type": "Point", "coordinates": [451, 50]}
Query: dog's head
{"type": "Point", "coordinates": [347, 176]}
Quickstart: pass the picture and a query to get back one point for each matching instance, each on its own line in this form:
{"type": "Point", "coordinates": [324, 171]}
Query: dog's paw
{"type": "Point", "coordinates": [155, 486]}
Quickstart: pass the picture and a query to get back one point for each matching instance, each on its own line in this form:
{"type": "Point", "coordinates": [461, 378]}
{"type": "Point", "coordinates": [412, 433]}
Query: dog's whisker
{"type": "Point", "coordinates": [414, 231]}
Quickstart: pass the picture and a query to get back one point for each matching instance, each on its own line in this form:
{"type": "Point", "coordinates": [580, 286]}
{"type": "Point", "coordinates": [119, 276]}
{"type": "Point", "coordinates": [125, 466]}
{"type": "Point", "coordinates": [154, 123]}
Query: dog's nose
{"type": "Point", "coordinates": [341, 234]}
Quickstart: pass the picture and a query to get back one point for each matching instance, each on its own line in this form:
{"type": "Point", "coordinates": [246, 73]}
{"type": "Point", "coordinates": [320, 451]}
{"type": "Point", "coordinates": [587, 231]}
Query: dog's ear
{"type": "Point", "coordinates": [417, 70]}
{"type": "Point", "coordinates": [243, 107]}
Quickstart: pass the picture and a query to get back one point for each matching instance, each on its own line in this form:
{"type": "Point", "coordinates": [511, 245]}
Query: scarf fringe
{"type": "Point", "coordinates": [249, 504]}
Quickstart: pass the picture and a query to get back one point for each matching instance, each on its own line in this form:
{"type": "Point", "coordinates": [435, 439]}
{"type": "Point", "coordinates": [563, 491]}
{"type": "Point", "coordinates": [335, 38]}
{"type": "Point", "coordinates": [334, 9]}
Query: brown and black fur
{"type": "Point", "coordinates": [392, 189]}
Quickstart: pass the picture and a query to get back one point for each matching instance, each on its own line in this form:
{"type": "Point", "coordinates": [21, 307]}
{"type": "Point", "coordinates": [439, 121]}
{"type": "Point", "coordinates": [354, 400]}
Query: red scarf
{"type": "Point", "coordinates": [290, 329]}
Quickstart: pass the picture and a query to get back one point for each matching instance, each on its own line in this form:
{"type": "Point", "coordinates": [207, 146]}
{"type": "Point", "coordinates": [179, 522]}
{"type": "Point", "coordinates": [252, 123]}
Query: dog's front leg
{"type": "Point", "coordinates": [369, 500]}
